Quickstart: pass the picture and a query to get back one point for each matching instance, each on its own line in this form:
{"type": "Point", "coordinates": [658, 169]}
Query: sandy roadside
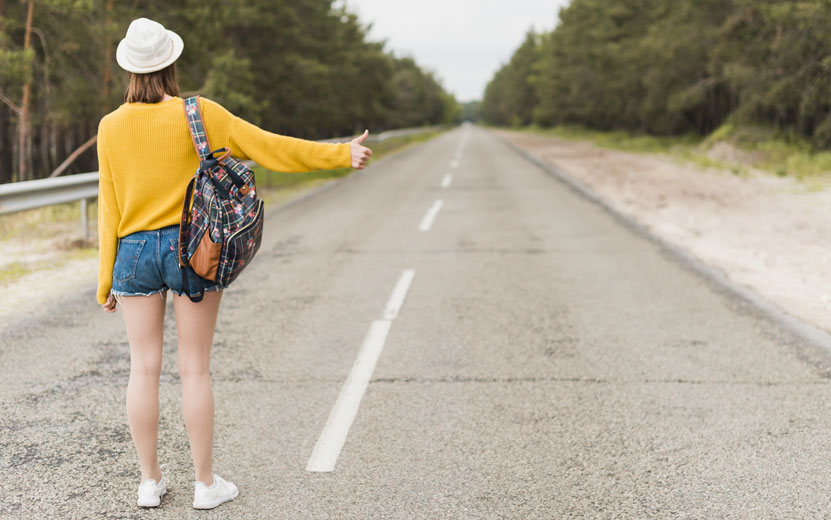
{"type": "Point", "coordinates": [763, 232]}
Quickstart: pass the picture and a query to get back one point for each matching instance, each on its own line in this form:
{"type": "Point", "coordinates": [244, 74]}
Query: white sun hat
{"type": "Point", "coordinates": [148, 47]}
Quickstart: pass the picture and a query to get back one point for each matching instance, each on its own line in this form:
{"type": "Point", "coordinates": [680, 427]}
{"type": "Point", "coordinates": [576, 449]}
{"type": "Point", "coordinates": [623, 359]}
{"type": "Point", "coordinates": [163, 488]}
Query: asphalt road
{"type": "Point", "coordinates": [546, 362]}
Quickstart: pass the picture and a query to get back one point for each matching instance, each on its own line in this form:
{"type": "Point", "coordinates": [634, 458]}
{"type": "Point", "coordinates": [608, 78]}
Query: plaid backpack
{"type": "Point", "coordinates": [222, 218]}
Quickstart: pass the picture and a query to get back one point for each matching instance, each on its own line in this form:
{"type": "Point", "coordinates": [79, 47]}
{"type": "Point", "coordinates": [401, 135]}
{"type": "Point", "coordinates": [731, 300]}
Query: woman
{"type": "Point", "coordinates": [146, 158]}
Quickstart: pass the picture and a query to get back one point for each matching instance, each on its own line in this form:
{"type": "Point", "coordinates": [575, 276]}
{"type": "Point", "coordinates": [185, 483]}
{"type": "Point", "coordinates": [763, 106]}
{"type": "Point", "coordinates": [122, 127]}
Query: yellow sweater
{"type": "Point", "coordinates": [146, 158]}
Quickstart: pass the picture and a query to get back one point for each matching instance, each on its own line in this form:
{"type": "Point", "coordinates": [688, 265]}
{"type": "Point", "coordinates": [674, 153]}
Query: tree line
{"type": "Point", "coordinates": [303, 68]}
{"type": "Point", "coordinates": [668, 67]}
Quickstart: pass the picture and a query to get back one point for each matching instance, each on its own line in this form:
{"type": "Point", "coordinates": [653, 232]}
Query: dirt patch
{"type": "Point", "coordinates": [765, 232]}
{"type": "Point", "coordinates": [730, 154]}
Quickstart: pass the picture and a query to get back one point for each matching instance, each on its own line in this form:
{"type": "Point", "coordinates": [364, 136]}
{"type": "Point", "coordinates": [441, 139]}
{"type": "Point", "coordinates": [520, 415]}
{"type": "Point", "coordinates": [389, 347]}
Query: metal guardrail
{"type": "Point", "coordinates": [19, 196]}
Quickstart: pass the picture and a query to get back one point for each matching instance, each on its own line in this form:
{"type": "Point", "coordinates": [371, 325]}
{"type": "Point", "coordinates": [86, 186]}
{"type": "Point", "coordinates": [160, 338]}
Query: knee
{"type": "Point", "coordinates": [146, 367]}
{"type": "Point", "coordinates": [193, 370]}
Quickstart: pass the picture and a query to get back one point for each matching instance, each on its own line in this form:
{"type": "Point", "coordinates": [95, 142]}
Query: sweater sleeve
{"type": "Point", "coordinates": [273, 151]}
{"type": "Point", "coordinates": [108, 219]}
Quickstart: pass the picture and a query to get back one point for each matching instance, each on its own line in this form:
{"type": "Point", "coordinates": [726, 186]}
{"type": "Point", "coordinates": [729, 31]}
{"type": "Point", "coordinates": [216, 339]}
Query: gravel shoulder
{"type": "Point", "coordinates": [764, 232]}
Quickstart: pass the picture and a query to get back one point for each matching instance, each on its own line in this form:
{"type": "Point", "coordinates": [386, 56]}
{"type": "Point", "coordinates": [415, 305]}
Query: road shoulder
{"type": "Point", "coordinates": [760, 235]}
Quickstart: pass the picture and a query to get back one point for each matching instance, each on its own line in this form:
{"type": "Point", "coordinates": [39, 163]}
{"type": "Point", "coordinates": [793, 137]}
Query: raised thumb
{"type": "Point", "coordinates": [362, 137]}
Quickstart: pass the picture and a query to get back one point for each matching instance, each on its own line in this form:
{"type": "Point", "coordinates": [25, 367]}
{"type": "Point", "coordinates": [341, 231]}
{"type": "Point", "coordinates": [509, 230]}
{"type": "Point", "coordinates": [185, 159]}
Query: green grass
{"type": "Point", "coordinates": [784, 154]}
{"type": "Point", "coordinates": [14, 271]}
{"type": "Point", "coordinates": [47, 222]}
{"type": "Point", "coordinates": [686, 149]}
{"type": "Point", "coordinates": [621, 140]}
{"type": "Point", "coordinates": [773, 152]}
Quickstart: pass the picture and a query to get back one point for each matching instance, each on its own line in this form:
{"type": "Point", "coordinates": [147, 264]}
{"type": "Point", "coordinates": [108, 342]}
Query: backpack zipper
{"type": "Point", "coordinates": [246, 227]}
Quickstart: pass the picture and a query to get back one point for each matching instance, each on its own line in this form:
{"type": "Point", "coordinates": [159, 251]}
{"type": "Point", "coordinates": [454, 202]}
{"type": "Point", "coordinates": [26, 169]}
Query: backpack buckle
{"type": "Point", "coordinates": [210, 161]}
{"type": "Point", "coordinates": [207, 164]}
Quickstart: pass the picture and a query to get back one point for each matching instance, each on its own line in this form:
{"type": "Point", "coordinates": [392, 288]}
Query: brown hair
{"type": "Point", "coordinates": [151, 87]}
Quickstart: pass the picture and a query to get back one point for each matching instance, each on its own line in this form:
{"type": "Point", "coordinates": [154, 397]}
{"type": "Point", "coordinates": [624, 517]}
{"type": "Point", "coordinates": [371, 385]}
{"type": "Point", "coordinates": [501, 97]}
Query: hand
{"type": "Point", "coordinates": [110, 304]}
{"type": "Point", "coordinates": [360, 153]}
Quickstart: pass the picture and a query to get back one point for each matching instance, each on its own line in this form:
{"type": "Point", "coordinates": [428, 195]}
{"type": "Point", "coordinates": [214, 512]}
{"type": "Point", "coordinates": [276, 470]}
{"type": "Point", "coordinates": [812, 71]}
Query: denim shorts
{"type": "Point", "coordinates": [147, 263]}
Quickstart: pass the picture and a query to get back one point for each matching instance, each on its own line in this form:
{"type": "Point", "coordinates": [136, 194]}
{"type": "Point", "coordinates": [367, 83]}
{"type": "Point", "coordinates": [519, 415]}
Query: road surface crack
{"type": "Point", "coordinates": [589, 380]}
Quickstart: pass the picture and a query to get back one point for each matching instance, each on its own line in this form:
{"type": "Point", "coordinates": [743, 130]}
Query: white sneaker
{"type": "Point", "coordinates": [150, 492]}
{"type": "Point", "coordinates": [205, 497]}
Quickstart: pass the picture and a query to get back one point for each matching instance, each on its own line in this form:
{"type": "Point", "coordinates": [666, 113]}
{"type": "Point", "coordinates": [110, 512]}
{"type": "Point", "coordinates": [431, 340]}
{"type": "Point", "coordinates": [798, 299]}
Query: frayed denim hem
{"type": "Point", "coordinates": [161, 292]}
{"type": "Point", "coordinates": [207, 289]}
{"type": "Point", "coordinates": [121, 294]}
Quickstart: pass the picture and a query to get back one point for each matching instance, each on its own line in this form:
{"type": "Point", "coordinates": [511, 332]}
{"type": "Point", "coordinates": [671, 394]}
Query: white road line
{"type": "Point", "coordinates": [427, 221]}
{"type": "Point", "coordinates": [328, 447]}
{"type": "Point", "coordinates": [398, 294]}
{"type": "Point", "coordinates": [454, 164]}
{"type": "Point", "coordinates": [445, 182]}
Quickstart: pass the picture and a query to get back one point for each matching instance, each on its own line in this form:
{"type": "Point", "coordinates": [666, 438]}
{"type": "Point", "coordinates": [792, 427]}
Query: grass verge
{"type": "Point", "coordinates": [780, 154]}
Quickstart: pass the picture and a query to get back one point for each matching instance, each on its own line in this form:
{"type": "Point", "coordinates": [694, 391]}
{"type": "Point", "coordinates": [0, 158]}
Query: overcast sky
{"type": "Point", "coordinates": [462, 41]}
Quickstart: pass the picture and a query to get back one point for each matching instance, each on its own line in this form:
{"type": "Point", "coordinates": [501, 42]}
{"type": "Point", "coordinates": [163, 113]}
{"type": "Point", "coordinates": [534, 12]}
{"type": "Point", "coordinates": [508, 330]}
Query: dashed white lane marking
{"type": "Point", "coordinates": [445, 182]}
{"type": "Point", "coordinates": [328, 447]}
{"type": "Point", "coordinates": [327, 450]}
{"type": "Point", "coordinates": [454, 164]}
{"type": "Point", "coordinates": [398, 295]}
{"type": "Point", "coordinates": [427, 221]}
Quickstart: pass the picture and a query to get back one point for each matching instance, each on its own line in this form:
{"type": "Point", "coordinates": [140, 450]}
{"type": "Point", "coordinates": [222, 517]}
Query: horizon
{"type": "Point", "coordinates": [482, 47]}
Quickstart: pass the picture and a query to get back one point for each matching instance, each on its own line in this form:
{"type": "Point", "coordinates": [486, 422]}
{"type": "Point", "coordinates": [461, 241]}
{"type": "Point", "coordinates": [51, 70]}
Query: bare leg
{"type": "Point", "coordinates": [195, 324]}
{"type": "Point", "coordinates": [144, 321]}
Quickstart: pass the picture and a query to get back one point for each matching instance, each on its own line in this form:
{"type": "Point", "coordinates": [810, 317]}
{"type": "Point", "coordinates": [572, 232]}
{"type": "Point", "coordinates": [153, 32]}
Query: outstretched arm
{"type": "Point", "coordinates": [285, 154]}
{"type": "Point", "coordinates": [278, 152]}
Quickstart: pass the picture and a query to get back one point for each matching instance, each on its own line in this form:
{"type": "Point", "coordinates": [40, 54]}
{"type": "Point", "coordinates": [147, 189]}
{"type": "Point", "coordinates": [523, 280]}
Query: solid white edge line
{"type": "Point", "coordinates": [398, 294]}
{"type": "Point", "coordinates": [445, 182]}
{"type": "Point", "coordinates": [328, 447]}
{"type": "Point", "coordinates": [427, 221]}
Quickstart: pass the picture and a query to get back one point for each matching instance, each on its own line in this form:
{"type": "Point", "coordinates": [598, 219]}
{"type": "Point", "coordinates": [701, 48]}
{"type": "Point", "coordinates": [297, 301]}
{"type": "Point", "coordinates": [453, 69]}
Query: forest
{"type": "Point", "coordinates": [673, 67]}
{"type": "Point", "coordinates": [304, 68]}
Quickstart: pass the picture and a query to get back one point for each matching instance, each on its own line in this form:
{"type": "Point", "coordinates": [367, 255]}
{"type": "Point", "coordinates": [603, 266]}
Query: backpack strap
{"type": "Point", "coordinates": [184, 259]}
{"type": "Point", "coordinates": [197, 128]}
{"type": "Point", "coordinates": [184, 222]}
{"type": "Point", "coordinates": [200, 143]}
{"type": "Point", "coordinates": [207, 158]}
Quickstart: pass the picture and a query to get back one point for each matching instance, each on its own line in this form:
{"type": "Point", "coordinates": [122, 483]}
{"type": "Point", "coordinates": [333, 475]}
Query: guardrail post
{"type": "Point", "coordinates": [85, 219]}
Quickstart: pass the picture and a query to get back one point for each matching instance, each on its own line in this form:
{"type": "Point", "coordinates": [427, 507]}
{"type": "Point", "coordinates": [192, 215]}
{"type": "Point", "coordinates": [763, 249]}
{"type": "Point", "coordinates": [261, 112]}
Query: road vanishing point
{"type": "Point", "coordinates": [450, 333]}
